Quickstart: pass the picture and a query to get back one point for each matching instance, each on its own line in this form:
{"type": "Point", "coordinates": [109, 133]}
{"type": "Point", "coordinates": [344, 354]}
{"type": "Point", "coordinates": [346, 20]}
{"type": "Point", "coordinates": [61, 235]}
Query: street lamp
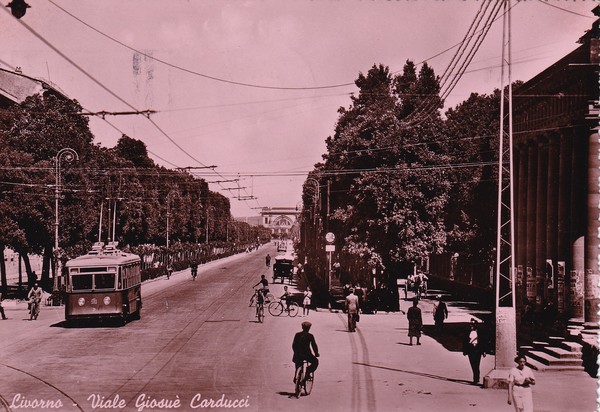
{"type": "Point", "coordinates": [168, 214]}
{"type": "Point", "coordinates": [68, 155]}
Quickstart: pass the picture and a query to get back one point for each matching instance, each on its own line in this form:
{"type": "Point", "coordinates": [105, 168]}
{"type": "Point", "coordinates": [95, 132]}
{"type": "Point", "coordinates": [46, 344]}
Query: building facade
{"type": "Point", "coordinates": [281, 220]}
{"type": "Point", "coordinates": [556, 172]}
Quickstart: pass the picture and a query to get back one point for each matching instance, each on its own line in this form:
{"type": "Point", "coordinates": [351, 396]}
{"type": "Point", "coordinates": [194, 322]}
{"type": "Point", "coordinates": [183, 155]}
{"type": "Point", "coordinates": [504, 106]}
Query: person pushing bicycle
{"type": "Point", "coordinates": [302, 344]}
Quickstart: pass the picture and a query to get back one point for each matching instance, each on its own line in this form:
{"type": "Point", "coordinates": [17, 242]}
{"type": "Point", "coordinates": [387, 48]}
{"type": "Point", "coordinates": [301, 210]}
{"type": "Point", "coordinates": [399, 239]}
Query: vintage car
{"type": "Point", "coordinates": [283, 268]}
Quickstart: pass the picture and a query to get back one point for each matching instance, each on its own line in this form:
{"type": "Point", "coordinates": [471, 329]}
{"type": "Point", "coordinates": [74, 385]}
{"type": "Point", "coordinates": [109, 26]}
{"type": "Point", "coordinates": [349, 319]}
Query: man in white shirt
{"type": "Point", "coordinates": [352, 308]}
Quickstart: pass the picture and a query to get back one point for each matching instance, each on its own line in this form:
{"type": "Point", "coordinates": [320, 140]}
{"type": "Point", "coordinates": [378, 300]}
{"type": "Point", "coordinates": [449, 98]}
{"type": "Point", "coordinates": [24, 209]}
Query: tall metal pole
{"type": "Point", "coordinates": [68, 155]}
{"type": "Point", "coordinates": [506, 334]}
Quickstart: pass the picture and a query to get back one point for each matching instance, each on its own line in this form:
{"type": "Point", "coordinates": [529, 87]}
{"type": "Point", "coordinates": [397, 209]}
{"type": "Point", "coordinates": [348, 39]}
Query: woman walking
{"type": "Point", "coordinates": [415, 321]}
{"type": "Point", "coordinates": [520, 380]}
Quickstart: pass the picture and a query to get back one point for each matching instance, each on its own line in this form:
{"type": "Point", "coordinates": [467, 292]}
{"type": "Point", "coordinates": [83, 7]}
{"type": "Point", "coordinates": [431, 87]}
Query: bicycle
{"type": "Point", "coordinates": [304, 383]}
{"type": "Point", "coordinates": [278, 307]}
{"type": "Point", "coordinates": [34, 309]}
{"type": "Point", "coordinates": [268, 297]}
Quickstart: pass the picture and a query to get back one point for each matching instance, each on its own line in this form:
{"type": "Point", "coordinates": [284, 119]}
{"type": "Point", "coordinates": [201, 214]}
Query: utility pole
{"type": "Point", "coordinates": [506, 333]}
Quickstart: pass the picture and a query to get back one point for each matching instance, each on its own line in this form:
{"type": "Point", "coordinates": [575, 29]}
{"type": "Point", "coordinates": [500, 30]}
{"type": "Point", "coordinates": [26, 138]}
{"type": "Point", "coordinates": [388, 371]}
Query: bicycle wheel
{"type": "Point", "coordinates": [299, 381]}
{"type": "Point", "coordinates": [269, 298]}
{"type": "Point", "coordinates": [308, 384]}
{"type": "Point", "coordinates": [293, 309]}
{"type": "Point", "coordinates": [275, 308]}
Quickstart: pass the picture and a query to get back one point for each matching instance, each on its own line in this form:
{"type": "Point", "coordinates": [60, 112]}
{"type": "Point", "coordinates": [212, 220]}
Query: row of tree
{"type": "Point", "coordinates": [107, 194]}
{"type": "Point", "coordinates": [400, 181]}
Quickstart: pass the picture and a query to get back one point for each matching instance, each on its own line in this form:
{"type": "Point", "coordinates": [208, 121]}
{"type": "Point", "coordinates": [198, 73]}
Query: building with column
{"type": "Point", "coordinates": [281, 220]}
{"type": "Point", "coordinates": [556, 178]}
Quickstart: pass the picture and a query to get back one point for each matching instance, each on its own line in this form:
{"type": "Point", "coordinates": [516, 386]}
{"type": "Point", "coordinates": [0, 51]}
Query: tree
{"type": "Point", "coordinates": [135, 151]}
{"type": "Point", "coordinates": [386, 166]}
{"type": "Point", "coordinates": [471, 212]}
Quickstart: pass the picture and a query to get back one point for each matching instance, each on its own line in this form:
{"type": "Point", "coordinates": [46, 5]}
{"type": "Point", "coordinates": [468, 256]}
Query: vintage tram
{"type": "Point", "coordinates": [104, 283]}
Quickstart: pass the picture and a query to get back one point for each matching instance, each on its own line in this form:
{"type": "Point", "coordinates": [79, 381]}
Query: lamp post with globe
{"type": "Point", "coordinates": [67, 154]}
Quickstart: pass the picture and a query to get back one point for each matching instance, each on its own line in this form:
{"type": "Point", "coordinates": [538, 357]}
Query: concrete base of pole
{"type": "Point", "coordinates": [496, 379]}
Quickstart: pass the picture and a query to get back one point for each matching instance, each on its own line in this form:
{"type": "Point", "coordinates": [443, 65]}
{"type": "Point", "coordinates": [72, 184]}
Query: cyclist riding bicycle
{"type": "Point", "coordinates": [286, 297]}
{"type": "Point", "coordinates": [302, 344]}
{"type": "Point", "coordinates": [265, 285]}
{"type": "Point", "coordinates": [35, 297]}
{"type": "Point", "coordinates": [264, 289]}
{"type": "Point", "coordinates": [260, 301]}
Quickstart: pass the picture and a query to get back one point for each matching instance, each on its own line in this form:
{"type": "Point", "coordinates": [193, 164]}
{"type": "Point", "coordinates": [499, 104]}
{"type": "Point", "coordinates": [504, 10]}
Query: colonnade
{"type": "Point", "coordinates": [557, 213]}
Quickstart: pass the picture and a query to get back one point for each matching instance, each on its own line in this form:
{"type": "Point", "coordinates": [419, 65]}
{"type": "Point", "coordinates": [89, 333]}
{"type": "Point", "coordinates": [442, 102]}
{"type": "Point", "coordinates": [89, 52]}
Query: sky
{"type": "Point", "coordinates": [254, 87]}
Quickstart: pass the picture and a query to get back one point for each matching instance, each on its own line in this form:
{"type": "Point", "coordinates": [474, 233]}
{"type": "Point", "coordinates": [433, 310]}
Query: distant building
{"type": "Point", "coordinates": [283, 221]}
{"type": "Point", "coordinates": [15, 87]}
{"type": "Point", "coordinates": [280, 220]}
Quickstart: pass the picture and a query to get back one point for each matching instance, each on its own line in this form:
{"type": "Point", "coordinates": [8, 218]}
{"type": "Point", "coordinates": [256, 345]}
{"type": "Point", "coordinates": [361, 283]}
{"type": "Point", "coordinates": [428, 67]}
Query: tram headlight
{"type": "Point", "coordinates": [106, 300]}
{"type": "Point", "coordinates": [81, 301]}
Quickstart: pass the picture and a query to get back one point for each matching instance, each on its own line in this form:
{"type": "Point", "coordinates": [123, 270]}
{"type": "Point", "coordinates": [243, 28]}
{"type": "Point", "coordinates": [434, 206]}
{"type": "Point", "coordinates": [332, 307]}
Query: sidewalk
{"type": "Point", "coordinates": [376, 370]}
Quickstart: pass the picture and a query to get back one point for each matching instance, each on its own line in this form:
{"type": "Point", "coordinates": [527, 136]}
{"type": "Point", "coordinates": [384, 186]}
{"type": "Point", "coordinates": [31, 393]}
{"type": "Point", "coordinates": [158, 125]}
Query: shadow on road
{"type": "Point", "coordinates": [288, 394]}
{"type": "Point", "coordinates": [427, 375]}
{"type": "Point", "coordinates": [453, 334]}
{"type": "Point", "coordinates": [90, 324]}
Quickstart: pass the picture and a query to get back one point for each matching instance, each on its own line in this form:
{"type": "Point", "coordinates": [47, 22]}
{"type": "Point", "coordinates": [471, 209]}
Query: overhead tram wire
{"type": "Point", "coordinates": [453, 65]}
{"type": "Point", "coordinates": [473, 51]}
{"type": "Point", "coordinates": [421, 113]}
{"type": "Point", "coordinates": [565, 10]}
{"type": "Point", "coordinates": [426, 104]}
{"type": "Point", "coordinates": [218, 79]}
{"type": "Point", "coordinates": [101, 85]}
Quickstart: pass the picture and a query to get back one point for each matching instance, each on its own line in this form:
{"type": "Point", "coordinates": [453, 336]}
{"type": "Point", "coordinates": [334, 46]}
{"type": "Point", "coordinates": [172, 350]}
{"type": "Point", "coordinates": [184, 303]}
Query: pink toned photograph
{"type": "Point", "coordinates": [311, 205]}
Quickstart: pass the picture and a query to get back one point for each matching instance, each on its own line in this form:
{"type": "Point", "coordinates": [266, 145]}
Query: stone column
{"type": "Point", "coordinates": [564, 219]}
{"type": "Point", "coordinates": [552, 220]}
{"type": "Point", "coordinates": [521, 226]}
{"type": "Point", "coordinates": [592, 243]}
{"type": "Point", "coordinates": [531, 220]}
{"type": "Point", "coordinates": [540, 224]}
{"type": "Point", "coordinates": [579, 190]}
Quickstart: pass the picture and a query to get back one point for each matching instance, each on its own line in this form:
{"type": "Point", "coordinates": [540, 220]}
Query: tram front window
{"type": "Point", "coordinates": [105, 281]}
{"type": "Point", "coordinates": [81, 282]}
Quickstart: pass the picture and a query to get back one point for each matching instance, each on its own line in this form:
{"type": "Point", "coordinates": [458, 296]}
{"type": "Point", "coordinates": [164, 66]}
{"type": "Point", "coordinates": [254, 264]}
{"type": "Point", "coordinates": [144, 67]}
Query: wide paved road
{"type": "Point", "coordinates": [196, 340]}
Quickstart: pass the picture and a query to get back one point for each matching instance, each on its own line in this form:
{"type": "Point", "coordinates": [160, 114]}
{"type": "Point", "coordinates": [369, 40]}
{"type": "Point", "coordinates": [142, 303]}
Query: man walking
{"type": "Point", "coordinates": [352, 308]}
{"type": "Point", "coordinates": [473, 347]}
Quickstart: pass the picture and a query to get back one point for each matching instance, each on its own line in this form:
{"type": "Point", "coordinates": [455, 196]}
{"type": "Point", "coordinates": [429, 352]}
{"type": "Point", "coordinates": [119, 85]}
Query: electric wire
{"type": "Point", "coordinates": [218, 79]}
{"type": "Point", "coordinates": [100, 84]}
